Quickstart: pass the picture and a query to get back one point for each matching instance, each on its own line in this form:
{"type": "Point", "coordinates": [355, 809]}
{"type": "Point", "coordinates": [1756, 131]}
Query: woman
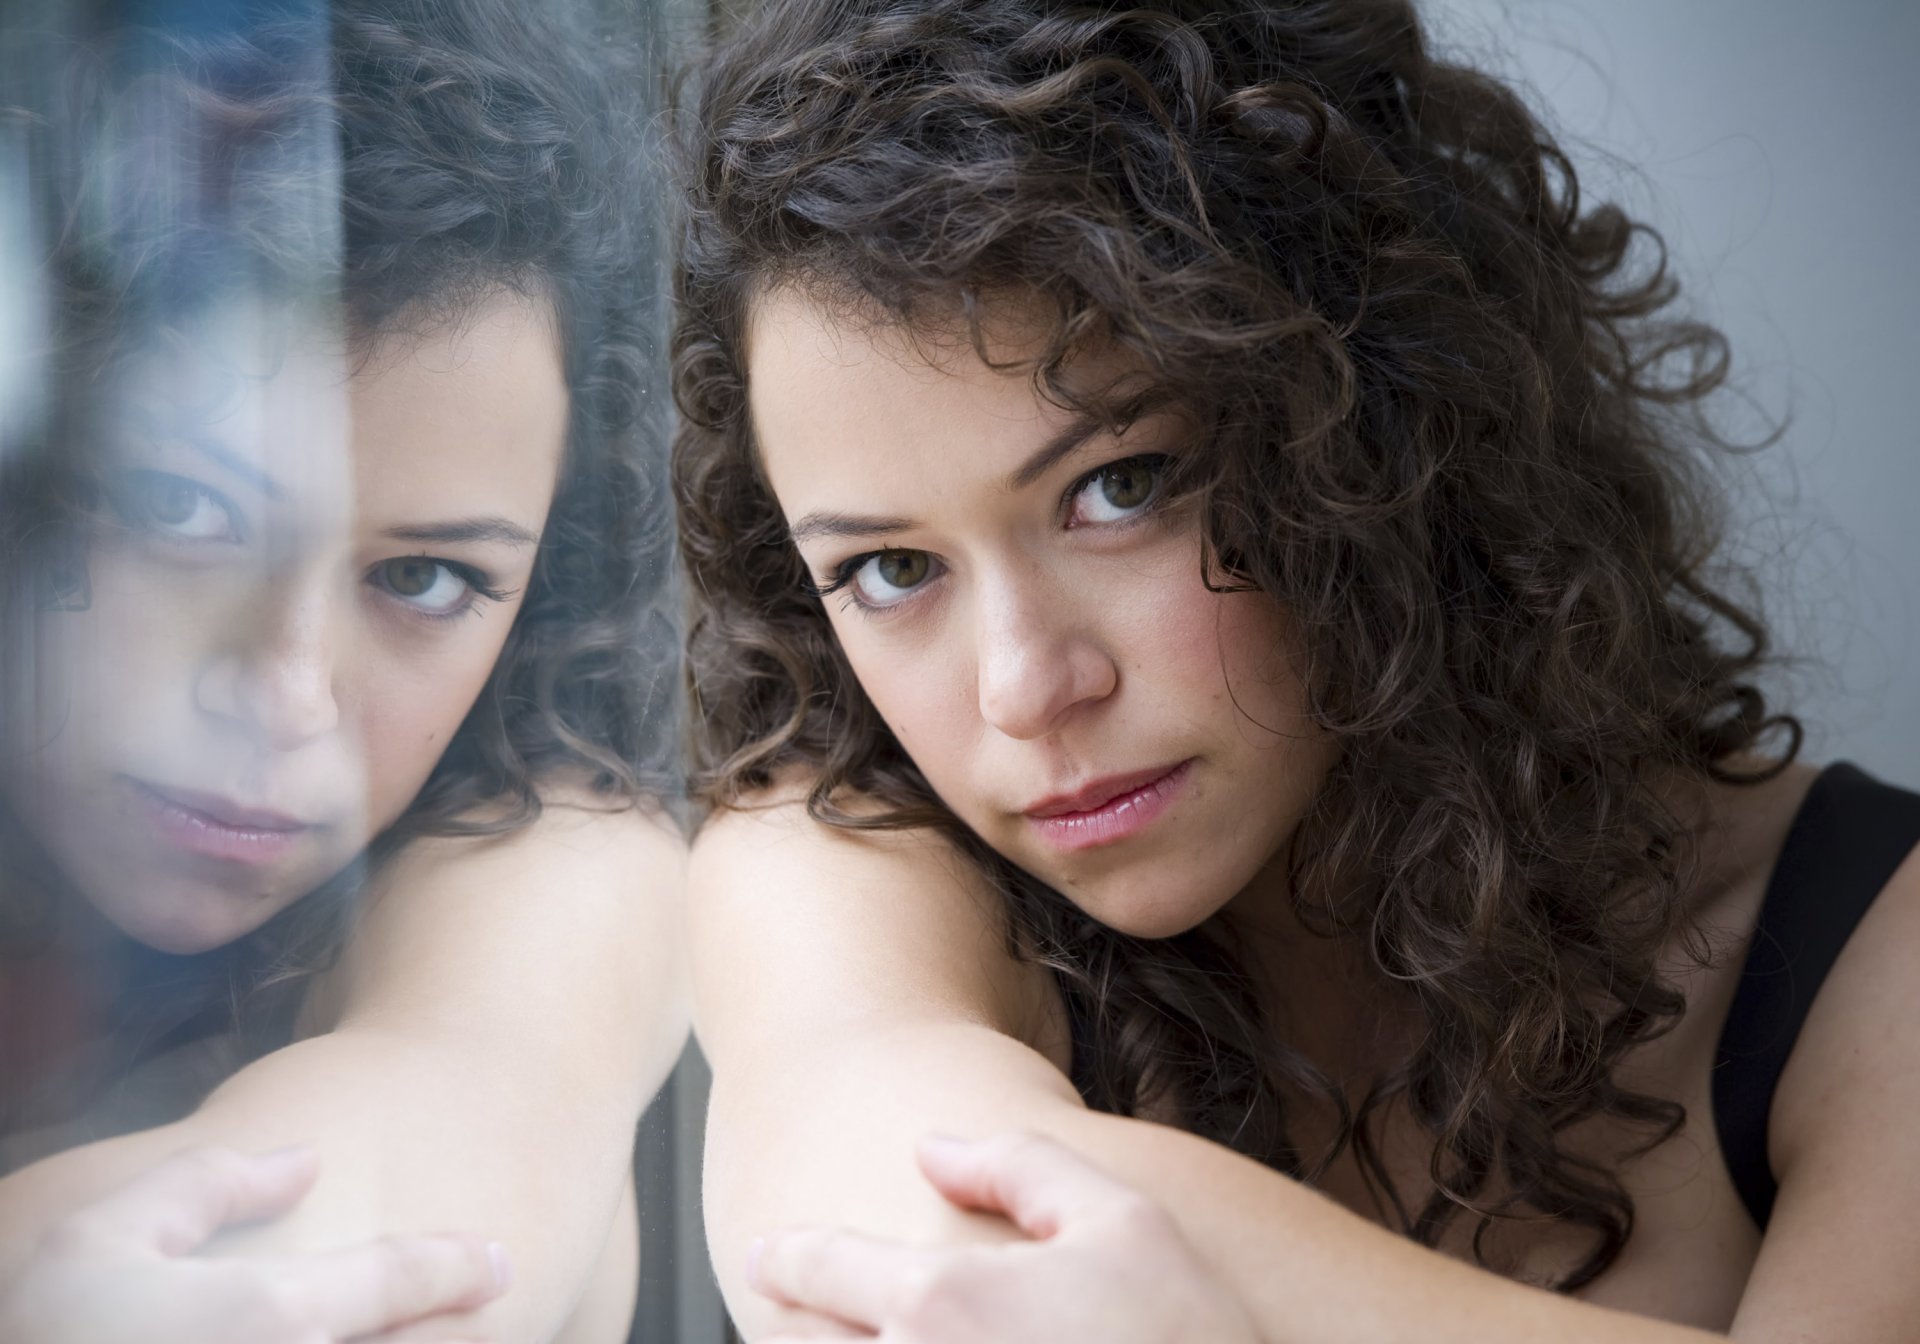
{"type": "Point", "coordinates": [334, 669]}
{"type": "Point", "coordinates": [1206, 652]}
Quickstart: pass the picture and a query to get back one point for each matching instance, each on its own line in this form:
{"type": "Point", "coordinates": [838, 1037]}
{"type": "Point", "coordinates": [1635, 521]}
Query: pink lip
{"type": "Point", "coordinates": [1109, 809]}
{"type": "Point", "coordinates": [215, 827]}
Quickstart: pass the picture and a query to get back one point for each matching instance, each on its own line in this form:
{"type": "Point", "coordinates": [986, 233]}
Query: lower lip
{"type": "Point", "coordinates": [1117, 818]}
{"type": "Point", "coordinates": [197, 833]}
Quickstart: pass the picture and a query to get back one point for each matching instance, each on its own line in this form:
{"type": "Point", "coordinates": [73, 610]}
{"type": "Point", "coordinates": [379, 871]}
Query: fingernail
{"type": "Point", "coordinates": [944, 1144]}
{"type": "Point", "coordinates": [753, 1260]}
{"type": "Point", "coordinates": [502, 1266]}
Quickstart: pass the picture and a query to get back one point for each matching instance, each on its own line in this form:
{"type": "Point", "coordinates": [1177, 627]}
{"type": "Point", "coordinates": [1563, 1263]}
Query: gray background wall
{"type": "Point", "coordinates": [1773, 143]}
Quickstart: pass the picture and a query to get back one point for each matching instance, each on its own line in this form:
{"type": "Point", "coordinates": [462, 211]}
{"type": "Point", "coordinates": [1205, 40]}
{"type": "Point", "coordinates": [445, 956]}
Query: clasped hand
{"type": "Point", "coordinates": [1102, 1262]}
{"type": "Point", "coordinates": [124, 1268]}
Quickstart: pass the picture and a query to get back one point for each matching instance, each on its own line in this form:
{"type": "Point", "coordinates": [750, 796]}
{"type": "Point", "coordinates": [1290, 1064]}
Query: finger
{"type": "Point", "coordinates": [1038, 1184]}
{"type": "Point", "coordinates": [856, 1279]}
{"type": "Point", "coordinates": [377, 1287]}
{"type": "Point", "coordinates": [175, 1207]}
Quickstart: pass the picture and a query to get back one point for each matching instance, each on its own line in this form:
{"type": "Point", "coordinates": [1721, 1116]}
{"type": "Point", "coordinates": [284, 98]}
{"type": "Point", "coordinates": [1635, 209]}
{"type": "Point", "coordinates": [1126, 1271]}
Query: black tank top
{"type": "Point", "coordinates": [1849, 836]}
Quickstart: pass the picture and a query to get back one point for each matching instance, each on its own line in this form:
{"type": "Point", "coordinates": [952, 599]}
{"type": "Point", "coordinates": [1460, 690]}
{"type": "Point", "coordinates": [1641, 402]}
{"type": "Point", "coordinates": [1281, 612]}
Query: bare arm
{"type": "Point", "coordinates": [505, 1010]}
{"type": "Point", "coordinates": [123, 1268]}
{"type": "Point", "coordinates": [853, 996]}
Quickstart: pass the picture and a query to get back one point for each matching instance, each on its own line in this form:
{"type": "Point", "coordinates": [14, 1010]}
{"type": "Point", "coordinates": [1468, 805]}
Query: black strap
{"type": "Point", "coordinates": [1849, 836]}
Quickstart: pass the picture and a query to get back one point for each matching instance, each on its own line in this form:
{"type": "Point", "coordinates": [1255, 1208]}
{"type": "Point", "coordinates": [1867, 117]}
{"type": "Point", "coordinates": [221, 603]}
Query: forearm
{"type": "Point", "coordinates": [1306, 1269]}
{"type": "Point", "coordinates": [412, 1137]}
{"type": "Point", "coordinates": [1310, 1270]}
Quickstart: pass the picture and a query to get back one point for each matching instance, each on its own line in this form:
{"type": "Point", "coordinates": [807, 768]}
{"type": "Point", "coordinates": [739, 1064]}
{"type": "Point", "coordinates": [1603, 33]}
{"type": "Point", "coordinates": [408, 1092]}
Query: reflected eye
{"type": "Point", "coordinates": [887, 577]}
{"type": "Point", "coordinates": [176, 507]}
{"type": "Point", "coordinates": [1118, 491]}
{"type": "Point", "coordinates": [432, 587]}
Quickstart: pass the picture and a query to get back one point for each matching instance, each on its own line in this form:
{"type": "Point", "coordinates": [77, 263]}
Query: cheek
{"type": "Point", "coordinates": [1208, 650]}
{"type": "Point", "coordinates": [410, 701]}
{"type": "Point", "coordinates": [116, 674]}
{"type": "Point", "coordinates": [1257, 661]}
{"type": "Point", "coordinates": [920, 683]}
{"type": "Point", "coordinates": [1201, 653]}
{"type": "Point", "coordinates": [895, 690]}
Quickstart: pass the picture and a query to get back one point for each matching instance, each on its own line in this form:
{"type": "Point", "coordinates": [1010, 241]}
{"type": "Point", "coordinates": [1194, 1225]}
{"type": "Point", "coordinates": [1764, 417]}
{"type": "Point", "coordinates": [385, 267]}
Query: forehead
{"type": "Point", "coordinates": [417, 418]}
{"type": "Point", "coordinates": [257, 387]}
{"type": "Point", "coordinates": [844, 404]}
{"type": "Point", "coordinates": [478, 405]}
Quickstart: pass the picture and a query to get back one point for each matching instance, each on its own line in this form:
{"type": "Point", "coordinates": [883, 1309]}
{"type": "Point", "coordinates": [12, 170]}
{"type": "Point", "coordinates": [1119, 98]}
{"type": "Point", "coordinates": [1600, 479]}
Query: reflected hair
{"type": "Point", "coordinates": [1449, 419]}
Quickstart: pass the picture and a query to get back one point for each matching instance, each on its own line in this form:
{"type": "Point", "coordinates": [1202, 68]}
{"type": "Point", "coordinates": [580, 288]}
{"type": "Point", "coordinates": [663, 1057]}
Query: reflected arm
{"type": "Point", "coordinates": [505, 1009]}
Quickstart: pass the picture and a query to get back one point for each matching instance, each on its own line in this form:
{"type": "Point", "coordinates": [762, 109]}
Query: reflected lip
{"type": "Point", "coordinates": [1091, 797]}
{"type": "Point", "coordinates": [223, 811]}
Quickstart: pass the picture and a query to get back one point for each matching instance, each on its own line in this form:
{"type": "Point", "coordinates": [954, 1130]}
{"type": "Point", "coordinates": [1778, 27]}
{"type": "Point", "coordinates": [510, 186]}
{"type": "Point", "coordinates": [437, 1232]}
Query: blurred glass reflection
{"type": "Point", "coordinates": [332, 516]}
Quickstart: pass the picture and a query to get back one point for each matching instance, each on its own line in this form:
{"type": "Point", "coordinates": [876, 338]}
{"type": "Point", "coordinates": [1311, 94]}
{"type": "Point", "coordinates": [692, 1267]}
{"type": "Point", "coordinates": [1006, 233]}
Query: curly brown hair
{"type": "Point", "coordinates": [387, 166]}
{"type": "Point", "coordinates": [1452, 424]}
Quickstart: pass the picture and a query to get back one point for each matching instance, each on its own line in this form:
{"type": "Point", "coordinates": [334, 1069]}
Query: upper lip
{"type": "Point", "coordinates": [1098, 793]}
{"type": "Point", "coordinates": [224, 810]}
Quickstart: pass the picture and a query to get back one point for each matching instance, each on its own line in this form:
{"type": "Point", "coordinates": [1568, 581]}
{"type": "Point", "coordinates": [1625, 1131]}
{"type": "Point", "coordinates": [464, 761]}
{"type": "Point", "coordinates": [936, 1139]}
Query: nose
{"type": "Point", "coordinates": [1038, 659]}
{"type": "Point", "coordinates": [275, 672]}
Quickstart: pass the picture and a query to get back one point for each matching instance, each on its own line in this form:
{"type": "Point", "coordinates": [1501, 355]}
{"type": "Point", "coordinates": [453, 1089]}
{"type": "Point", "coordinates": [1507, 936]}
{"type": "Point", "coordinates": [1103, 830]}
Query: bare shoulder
{"type": "Point", "coordinates": [577, 833]}
{"type": "Point", "coordinates": [583, 901]}
{"type": "Point", "coordinates": [833, 922]}
{"type": "Point", "coordinates": [774, 836]}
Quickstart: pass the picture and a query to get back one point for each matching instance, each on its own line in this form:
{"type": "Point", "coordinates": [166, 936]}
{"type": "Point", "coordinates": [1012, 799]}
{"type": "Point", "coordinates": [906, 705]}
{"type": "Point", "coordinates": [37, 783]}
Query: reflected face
{"type": "Point", "coordinates": [1030, 617]}
{"type": "Point", "coordinates": [303, 574]}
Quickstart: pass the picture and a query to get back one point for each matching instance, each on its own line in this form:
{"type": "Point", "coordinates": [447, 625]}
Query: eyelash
{"type": "Point", "coordinates": [1160, 463]}
{"type": "Point", "coordinates": [134, 509]}
{"type": "Point", "coordinates": [844, 572]}
{"type": "Point", "coordinates": [127, 500]}
{"type": "Point", "coordinates": [478, 587]}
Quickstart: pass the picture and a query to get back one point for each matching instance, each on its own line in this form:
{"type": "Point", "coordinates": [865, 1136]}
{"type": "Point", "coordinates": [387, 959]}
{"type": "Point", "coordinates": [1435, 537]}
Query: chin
{"type": "Point", "coordinates": [1144, 914]}
{"type": "Point", "coordinates": [185, 924]}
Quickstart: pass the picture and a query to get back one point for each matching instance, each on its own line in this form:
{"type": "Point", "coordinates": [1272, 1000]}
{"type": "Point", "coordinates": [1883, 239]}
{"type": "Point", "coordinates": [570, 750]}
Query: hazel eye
{"type": "Point", "coordinates": [887, 577]}
{"type": "Point", "coordinates": [176, 507]}
{"type": "Point", "coordinates": [431, 586]}
{"type": "Point", "coordinates": [1118, 491]}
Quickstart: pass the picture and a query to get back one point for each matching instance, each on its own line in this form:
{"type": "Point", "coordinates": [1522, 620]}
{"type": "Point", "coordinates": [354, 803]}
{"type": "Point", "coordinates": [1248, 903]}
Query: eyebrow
{"type": "Point", "coordinates": [826, 523]}
{"type": "Point", "coordinates": [455, 532]}
{"type": "Point", "coordinates": [237, 465]}
{"type": "Point", "coordinates": [462, 530]}
{"type": "Point", "coordinates": [1044, 458]}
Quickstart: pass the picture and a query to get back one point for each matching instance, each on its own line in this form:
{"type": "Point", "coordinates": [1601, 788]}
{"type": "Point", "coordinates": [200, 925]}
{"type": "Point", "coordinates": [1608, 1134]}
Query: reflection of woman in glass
{"type": "Point", "coordinates": [1206, 652]}
{"type": "Point", "coordinates": [333, 698]}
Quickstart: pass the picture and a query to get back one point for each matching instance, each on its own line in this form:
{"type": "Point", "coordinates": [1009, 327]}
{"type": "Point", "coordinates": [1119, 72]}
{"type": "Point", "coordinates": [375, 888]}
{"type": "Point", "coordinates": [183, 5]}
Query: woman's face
{"type": "Point", "coordinates": [1031, 624]}
{"type": "Point", "coordinates": [302, 577]}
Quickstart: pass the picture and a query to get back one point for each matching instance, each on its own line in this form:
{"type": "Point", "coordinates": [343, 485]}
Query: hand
{"type": "Point", "coordinates": [122, 1269]}
{"type": "Point", "coordinates": [1104, 1263]}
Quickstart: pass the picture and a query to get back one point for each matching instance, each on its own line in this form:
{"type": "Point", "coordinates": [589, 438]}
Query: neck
{"type": "Point", "coordinates": [1318, 986]}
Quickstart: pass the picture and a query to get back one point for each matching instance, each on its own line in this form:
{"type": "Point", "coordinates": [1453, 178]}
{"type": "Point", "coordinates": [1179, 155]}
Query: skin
{"type": "Point", "coordinates": [821, 1087]}
{"type": "Point", "coordinates": [515, 998]}
{"type": "Point", "coordinates": [1093, 1243]}
{"type": "Point", "coordinates": [1058, 639]}
{"type": "Point", "coordinates": [123, 1269]}
{"type": "Point", "coordinates": [253, 649]}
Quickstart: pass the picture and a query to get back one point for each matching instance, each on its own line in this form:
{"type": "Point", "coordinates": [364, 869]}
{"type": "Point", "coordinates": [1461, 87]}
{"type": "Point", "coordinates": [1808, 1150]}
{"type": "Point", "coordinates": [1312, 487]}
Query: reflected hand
{"type": "Point", "coordinates": [1104, 1263]}
{"type": "Point", "coordinates": [123, 1268]}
